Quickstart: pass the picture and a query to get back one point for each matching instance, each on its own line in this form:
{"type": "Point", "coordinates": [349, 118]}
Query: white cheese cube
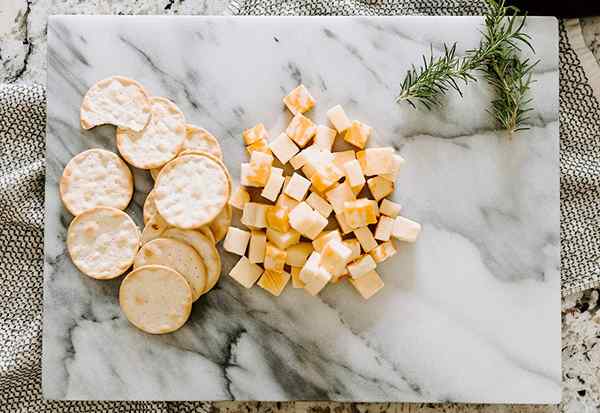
{"type": "Point", "coordinates": [283, 148]}
{"type": "Point", "coordinates": [297, 187]}
{"type": "Point", "coordinates": [296, 281]}
{"type": "Point", "coordinates": [344, 227]}
{"type": "Point", "coordinates": [283, 240]}
{"type": "Point", "coordinates": [254, 134]}
{"type": "Point", "coordinates": [361, 212]}
{"type": "Point", "coordinates": [301, 130]}
{"type": "Point", "coordinates": [300, 159]}
{"type": "Point", "coordinates": [354, 174]}
{"type": "Point", "coordinates": [315, 157]}
{"type": "Point", "coordinates": [324, 238]}
{"type": "Point", "coordinates": [397, 163]}
{"type": "Point", "coordinates": [384, 228]}
{"type": "Point", "coordinates": [339, 195]}
{"type": "Point", "coordinates": [299, 100]}
{"type": "Point", "coordinates": [380, 187]}
{"type": "Point", "coordinates": [343, 157]}
{"type": "Point", "coordinates": [245, 174]}
{"type": "Point", "coordinates": [357, 134]}
{"type": "Point", "coordinates": [365, 237]}
{"type": "Point", "coordinates": [338, 118]}
{"type": "Point", "coordinates": [310, 267]}
{"type": "Point", "coordinates": [354, 246]}
{"type": "Point", "coordinates": [405, 229]}
{"type": "Point", "coordinates": [325, 137]}
{"type": "Point", "coordinates": [274, 282]}
{"type": "Point", "coordinates": [274, 258]}
{"type": "Point", "coordinates": [273, 185]}
{"type": "Point", "coordinates": [307, 221]}
{"type": "Point", "coordinates": [298, 254]}
{"type": "Point", "coordinates": [376, 161]}
{"type": "Point", "coordinates": [361, 266]}
{"type": "Point", "coordinates": [368, 284]}
{"type": "Point", "coordinates": [258, 245]}
{"type": "Point", "coordinates": [334, 257]}
{"type": "Point", "coordinates": [254, 215]}
{"type": "Point", "coordinates": [383, 251]}
{"type": "Point", "coordinates": [236, 241]}
{"type": "Point", "coordinates": [313, 275]}
{"type": "Point", "coordinates": [239, 198]}
{"type": "Point", "coordinates": [245, 272]}
{"type": "Point", "coordinates": [389, 208]}
{"type": "Point", "coordinates": [319, 204]}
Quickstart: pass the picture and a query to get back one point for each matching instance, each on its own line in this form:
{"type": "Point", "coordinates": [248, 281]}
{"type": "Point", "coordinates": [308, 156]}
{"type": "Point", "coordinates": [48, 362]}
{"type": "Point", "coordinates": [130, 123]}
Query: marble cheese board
{"type": "Point", "coordinates": [469, 313]}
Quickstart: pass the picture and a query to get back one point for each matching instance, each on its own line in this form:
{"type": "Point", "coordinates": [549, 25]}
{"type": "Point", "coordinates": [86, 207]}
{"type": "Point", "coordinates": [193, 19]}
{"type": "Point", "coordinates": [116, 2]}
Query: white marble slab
{"type": "Point", "coordinates": [470, 312]}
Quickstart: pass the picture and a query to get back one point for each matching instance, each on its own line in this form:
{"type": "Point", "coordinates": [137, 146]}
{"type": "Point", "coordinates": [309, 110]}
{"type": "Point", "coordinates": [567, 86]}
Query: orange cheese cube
{"type": "Point", "coordinates": [274, 282]}
{"type": "Point", "coordinates": [286, 201]}
{"type": "Point", "coordinates": [383, 251]}
{"type": "Point", "coordinates": [298, 254]}
{"type": "Point", "coordinates": [357, 134]}
{"type": "Point", "coordinates": [324, 238]}
{"type": "Point", "coordinates": [380, 187]}
{"type": "Point", "coordinates": [307, 221]}
{"type": "Point", "coordinates": [360, 213]}
{"type": "Point", "coordinates": [239, 198]}
{"type": "Point", "coordinates": [301, 130]}
{"type": "Point", "coordinates": [325, 176]}
{"type": "Point", "coordinates": [299, 100]}
{"type": "Point", "coordinates": [283, 240]}
{"type": "Point", "coordinates": [334, 256]}
{"type": "Point", "coordinates": [274, 258]}
{"type": "Point", "coordinates": [296, 281]}
{"type": "Point", "coordinates": [260, 145]}
{"type": "Point", "coordinates": [254, 134]}
{"type": "Point", "coordinates": [277, 218]}
{"type": "Point", "coordinates": [258, 246]}
{"type": "Point", "coordinates": [344, 227]}
{"type": "Point", "coordinates": [368, 284]}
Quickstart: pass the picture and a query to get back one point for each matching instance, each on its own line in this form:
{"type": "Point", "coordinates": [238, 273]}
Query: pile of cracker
{"type": "Point", "coordinates": [174, 258]}
{"type": "Point", "coordinates": [316, 209]}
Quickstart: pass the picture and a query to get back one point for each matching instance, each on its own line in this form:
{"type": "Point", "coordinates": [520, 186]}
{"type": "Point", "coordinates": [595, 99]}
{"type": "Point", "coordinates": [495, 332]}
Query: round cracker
{"type": "Point", "coordinates": [176, 255]}
{"type": "Point", "coordinates": [149, 207]}
{"type": "Point", "coordinates": [94, 178]}
{"type": "Point", "coordinates": [191, 190]}
{"type": "Point", "coordinates": [221, 223]}
{"type": "Point", "coordinates": [156, 299]}
{"type": "Point", "coordinates": [214, 158]}
{"type": "Point", "coordinates": [197, 138]}
{"type": "Point", "coordinates": [103, 242]}
{"type": "Point", "coordinates": [159, 142]}
{"type": "Point", "coordinates": [205, 229]}
{"type": "Point", "coordinates": [154, 228]}
{"type": "Point", "coordinates": [118, 101]}
{"type": "Point", "coordinates": [204, 247]}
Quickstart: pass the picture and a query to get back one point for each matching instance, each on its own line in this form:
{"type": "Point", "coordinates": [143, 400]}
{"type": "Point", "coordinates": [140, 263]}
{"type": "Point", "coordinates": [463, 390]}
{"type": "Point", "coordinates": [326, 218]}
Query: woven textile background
{"type": "Point", "coordinates": [22, 132]}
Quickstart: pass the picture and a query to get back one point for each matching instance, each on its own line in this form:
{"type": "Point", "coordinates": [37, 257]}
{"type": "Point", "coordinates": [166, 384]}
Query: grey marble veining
{"type": "Point", "coordinates": [470, 313]}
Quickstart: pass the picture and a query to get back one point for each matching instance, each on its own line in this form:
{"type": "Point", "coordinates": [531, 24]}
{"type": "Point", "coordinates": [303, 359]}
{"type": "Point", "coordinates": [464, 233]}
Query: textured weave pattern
{"type": "Point", "coordinates": [579, 174]}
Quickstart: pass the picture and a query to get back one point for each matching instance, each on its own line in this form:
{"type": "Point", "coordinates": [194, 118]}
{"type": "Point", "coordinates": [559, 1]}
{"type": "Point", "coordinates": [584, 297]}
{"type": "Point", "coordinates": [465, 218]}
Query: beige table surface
{"type": "Point", "coordinates": [22, 59]}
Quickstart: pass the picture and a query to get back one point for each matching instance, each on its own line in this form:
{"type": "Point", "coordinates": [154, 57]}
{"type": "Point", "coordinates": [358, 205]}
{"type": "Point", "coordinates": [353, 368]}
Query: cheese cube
{"type": "Point", "coordinates": [297, 187]}
{"type": "Point", "coordinates": [307, 221]}
{"type": "Point", "coordinates": [274, 282]}
{"type": "Point", "coordinates": [273, 185]}
{"type": "Point", "coordinates": [344, 227]}
{"type": "Point", "coordinates": [283, 240]}
{"type": "Point", "coordinates": [300, 159]}
{"type": "Point", "coordinates": [286, 201]}
{"type": "Point", "coordinates": [301, 130]}
{"type": "Point", "coordinates": [236, 241]}
{"type": "Point", "coordinates": [258, 246]}
{"type": "Point", "coordinates": [274, 258]}
{"type": "Point", "coordinates": [260, 145]}
{"type": "Point", "coordinates": [258, 171]}
{"type": "Point", "coordinates": [356, 190]}
{"type": "Point", "coordinates": [313, 275]}
{"type": "Point", "coordinates": [337, 278]}
{"type": "Point", "coordinates": [365, 237]}
{"type": "Point", "coordinates": [397, 162]}
{"type": "Point", "coordinates": [283, 148]}
{"type": "Point", "coordinates": [334, 257]}
{"type": "Point", "coordinates": [383, 251]}
{"type": "Point", "coordinates": [255, 133]}
{"type": "Point", "coordinates": [343, 157]}
{"type": "Point", "coordinates": [298, 254]}
{"type": "Point", "coordinates": [296, 281]}
{"type": "Point", "coordinates": [338, 118]}
{"type": "Point", "coordinates": [380, 187]}
{"type": "Point", "coordinates": [339, 195]}
{"type": "Point", "coordinates": [389, 208]}
{"type": "Point", "coordinates": [299, 100]}
{"type": "Point", "coordinates": [277, 218]}
{"type": "Point", "coordinates": [239, 198]}
{"type": "Point", "coordinates": [319, 204]}
{"type": "Point", "coordinates": [325, 137]}
{"type": "Point", "coordinates": [376, 161]}
{"type": "Point", "coordinates": [324, 238]}
{"type": "Point", "coordinates": [315, 157]}
{"type": "Point", "coordinates": [361, 266]}
{"type": "Point", "coordinates": [368, 284]}
{"type": "Point", "coordinates": [360, 213]}
{"type": "Point", "coordinates": [384, 228]}
{"type": "Point", "coordinates": [245, 272]}
{"type": "Point", "coordinates": [325, 176]}
{"type": "Point", "coordinates": [254, 215]}
{"type": "Point", "coordinates": [246, 174]}
{"type": "Point", "coordinates": [354, 246]}
{"type": "Point", "coordinates": [357, 134]}
{"type": "Point", "coordinates": [354, 174]}
{"type": "Point", "coordinates": [405, 229]}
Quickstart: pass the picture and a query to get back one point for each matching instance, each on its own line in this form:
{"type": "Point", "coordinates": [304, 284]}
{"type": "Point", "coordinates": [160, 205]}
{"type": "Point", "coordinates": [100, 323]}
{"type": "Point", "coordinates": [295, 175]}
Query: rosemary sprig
{"type": "Point", "coordinates": [497, 57]}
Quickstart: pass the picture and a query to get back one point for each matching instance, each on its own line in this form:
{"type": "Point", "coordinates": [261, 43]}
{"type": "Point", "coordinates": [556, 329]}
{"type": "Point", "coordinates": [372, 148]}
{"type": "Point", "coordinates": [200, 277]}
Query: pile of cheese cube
{"type": "Point", "coordinates": [324, 219]}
